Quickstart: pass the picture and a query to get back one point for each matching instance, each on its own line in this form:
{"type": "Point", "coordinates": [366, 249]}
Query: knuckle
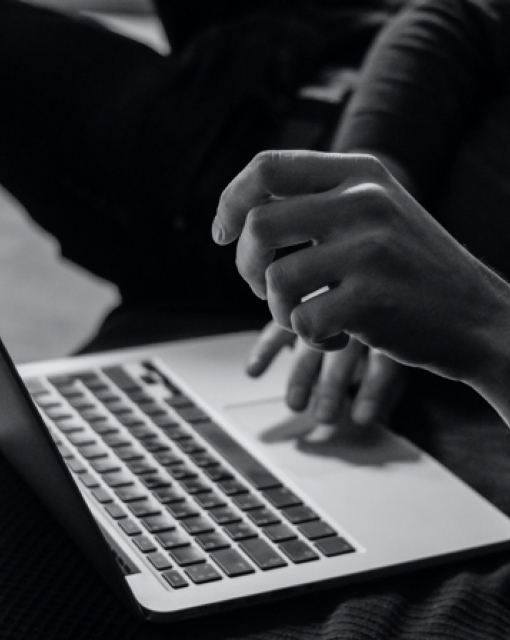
{"type": "Point", "coordinates": [307, 330]}
{"type": "Point", "coordinates": [372, 166]}
{"type": "Point", "coordinates": [258, 225]}
{"type": "Point", "coordinates": [277, 277]}
{"type": "Point", "coordinates": [266, 163]}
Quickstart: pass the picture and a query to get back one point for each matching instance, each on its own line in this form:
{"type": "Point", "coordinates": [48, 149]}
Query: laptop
{"type": "Point", "coordinates": [193, 489]}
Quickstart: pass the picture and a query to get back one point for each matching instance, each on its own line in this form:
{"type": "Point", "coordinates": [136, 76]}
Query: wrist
{"type": "Point", "coordinates": [491, 376]}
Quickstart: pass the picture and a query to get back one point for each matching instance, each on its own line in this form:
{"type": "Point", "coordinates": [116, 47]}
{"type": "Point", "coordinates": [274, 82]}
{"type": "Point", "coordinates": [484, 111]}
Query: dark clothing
{"type": "Point", "coordinates": [122, 153]}
{"type": "Point", "coordinates": [46, 588]}
{"type": "Point", "coordinates": [436, 97]}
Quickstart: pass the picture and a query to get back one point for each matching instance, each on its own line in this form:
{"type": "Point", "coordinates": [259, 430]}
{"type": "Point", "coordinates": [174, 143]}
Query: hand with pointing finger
{"type": "Point", "coordinates": [390, 275]}
{"type": "Point", "coordinates": [364, 380]}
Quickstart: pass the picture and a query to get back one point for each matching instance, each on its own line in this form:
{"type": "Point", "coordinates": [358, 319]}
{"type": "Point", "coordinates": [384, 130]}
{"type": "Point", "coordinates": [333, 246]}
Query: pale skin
{"type": "Point", "coordinates": [396, 280]}
{"type": "Point", "coordinates": [364, 380]}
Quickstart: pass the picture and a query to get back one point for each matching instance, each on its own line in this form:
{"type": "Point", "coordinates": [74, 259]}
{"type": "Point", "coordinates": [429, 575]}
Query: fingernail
{"type": "Point", "coordinates": [363, 413]}
{"type": "Point", "coordinates": [253, 366]}
{"type": "Point", "coordinates": [217, 231]}
{"type": "Point", "coordinates": [296, 399]}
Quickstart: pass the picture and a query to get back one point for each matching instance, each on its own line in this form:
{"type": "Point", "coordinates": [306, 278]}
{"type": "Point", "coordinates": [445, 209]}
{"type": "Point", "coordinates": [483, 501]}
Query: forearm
{"type": "Point", "coordinates": [424, 82]}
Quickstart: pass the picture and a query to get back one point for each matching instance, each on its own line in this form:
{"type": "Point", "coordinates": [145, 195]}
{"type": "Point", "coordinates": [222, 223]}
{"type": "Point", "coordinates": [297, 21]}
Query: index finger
{"type": "Point", "coordinates": [278, 174]}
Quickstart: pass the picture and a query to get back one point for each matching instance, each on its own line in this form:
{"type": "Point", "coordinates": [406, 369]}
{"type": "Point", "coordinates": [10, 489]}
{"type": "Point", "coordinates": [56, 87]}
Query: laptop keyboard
{"type": "Point", "coordinates": [192, 501]}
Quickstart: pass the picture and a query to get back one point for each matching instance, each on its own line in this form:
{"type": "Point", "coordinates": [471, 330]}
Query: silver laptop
{"type": "Point", "coordinates": [193, 488]}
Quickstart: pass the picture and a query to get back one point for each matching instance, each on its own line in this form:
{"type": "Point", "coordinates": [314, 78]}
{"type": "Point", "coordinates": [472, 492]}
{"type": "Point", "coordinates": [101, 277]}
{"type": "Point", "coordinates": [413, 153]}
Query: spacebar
{"type": "Point", "coordinates": [233, 452]}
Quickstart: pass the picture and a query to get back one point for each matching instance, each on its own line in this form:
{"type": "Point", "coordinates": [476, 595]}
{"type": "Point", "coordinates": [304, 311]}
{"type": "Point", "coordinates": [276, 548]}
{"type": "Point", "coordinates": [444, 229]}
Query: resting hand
{"type": "Point", "coordinates": [391, 275]}
{"type": "Point", "coordinates": [329, 382]}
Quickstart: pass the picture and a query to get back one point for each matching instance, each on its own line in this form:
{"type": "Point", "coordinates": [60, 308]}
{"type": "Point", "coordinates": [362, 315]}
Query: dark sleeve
{"type": "Point", "coordinates": [424, 84]}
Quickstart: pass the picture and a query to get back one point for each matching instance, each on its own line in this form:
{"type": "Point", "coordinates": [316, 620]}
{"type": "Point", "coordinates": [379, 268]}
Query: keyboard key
{"type": "Point", "coordinates": [155, 481]}
{"type": "Point", "coordinates": [155, 444]}
{"type": "Point", "coordinates": [119, 376]}
{"type": "Point", "coordinates": [93, 415]}
{"type": "Point", "coordinates": [81, 438]}
{"type": "Point", "coordinates": [209, 500]}
{"type": "Point", "coordinates": [93, 451]}
{"type": "Point", "coordinates": [152, 408]}
{"type": "Point", "coordinates": [163, 421]}
{"type": "Point", "coordinates": [116, 479]}
{"type": "Point", "coordinates": [130, 420]}
{"type": "Point", "coordinates": [103, 426]}
{"type": "Point", "coordinates": [159, 561]}
{"type": "Point", "coordinates": [144, 543]}
{"type": "Point", "coordinates": [102, 495]}
{"type": "Point", "coordinates": [141, 431]}
{"type": "Point", "coordinates": [174, 579]}
{"type": "Point", "coordinates": [232, 562]}
{"type": "Point", "coordinates": [217, 473]}
{"type": "Point", "coordinates": [191, 413]}
{"type": "Point", "coordinates": [184, 556]}
{"type": "Point", "coordinates": [247, 501]}
{"type": "Point", "coordinates": [130, 527]}
{"type": "Point", "coordinates": [129, 453]}
{"type": "Point", "coordinates": [298, 551]}
{"type": "Point", "coordinates": [180, 510]}
{"type": "Point", "coordinates": [225, 515]}
{"type": "Point", "coordinates": [80, 401]}
{"type": "Point", "coordinates": [75, 465]}
{"type": "Point", "coordinates": [167, 458]}
{"type": "Point", "coordinates": [115, 511]}
{"type": "Point", "coordinates": [180, 472]}
{"type": "Point", "coordinates": [35, 386]}
{"type": "Point", "coordinates": [168, 495]}
{"type": "Point", "coordinates": [65, 452]}
{"type": "Point", "coordinates": [190, 446]}
{"type": "Point", "coordinates": [105, 465]}
{"type": "Point", "coordinates": [299, 514]}
{"type": "Point", "coordinates": [172, 539]}
{"type": "Point", "coordinates": [195, 485]}
{"type": "Point", "coordinates": [114, 440]}
{"type": "Point", "coordinates": [142, 508]}
{"type": "Point", "coordinates": [88, 480]}
{"type": "Point", "coordinates": [138, 395]}
{"type": "Point", "coordinates": [58, 413]}
{"type": "Point", "coordinates": [203, 573]}
{"type": "Point", "coordinates": [159, 522]}
{"type": "Point", "coordinates": [262, 517]}
{"type": "Point", "coordinates": [253, 470]}
{"type": "Point", "coordinates": [281, 497]}
{"type": "Point", "coordinates": [240, 531]}
{"type": "Point", "coordinates": [316, 529]}
{"type": "Point", "coordinates": [105, 394]}
{"type": "Point", "coordinates": [262, 554]}
{"type": "Point", "coordinates": [179, 400]}
{"type": "Point", "coordinates": [130, 494]}
{"type": "Point", "coordinates": [141, 466]}
{"type": "Point", "coordinates": [203, 459]}
{"type": "Point", "coordinates": [197, 525]}
{"type": "Point", "coordinates": [334, 546]}
{"type": "Point", "coordinates": [232, 487]}
{"type": "Point", "coordinates": [212, 541]}
{"type": "Point", "coordinates": [69, 425]}
{"type": "Point", "coordinates": [279, 532]}
{"type": "Point", "coordinates": [118, 407]}
{"type": "Point", "coordinates": [177, 433]}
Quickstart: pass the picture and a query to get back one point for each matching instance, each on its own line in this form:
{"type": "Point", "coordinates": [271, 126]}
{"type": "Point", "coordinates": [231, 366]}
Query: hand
{"type": "Point", "coordinates": [390, 275]}
{"type": "Point", "coordinates": [365, 377]}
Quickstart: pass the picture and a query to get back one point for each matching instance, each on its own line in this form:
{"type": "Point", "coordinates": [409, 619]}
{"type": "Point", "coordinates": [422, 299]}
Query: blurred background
{"type": "Point", "coordinates": [49, 307]}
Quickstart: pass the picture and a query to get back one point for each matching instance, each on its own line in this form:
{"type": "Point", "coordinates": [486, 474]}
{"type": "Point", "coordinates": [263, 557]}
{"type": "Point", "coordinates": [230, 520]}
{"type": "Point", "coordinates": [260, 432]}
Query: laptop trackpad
{"type": "Point", "coordinates": [294, 442]}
